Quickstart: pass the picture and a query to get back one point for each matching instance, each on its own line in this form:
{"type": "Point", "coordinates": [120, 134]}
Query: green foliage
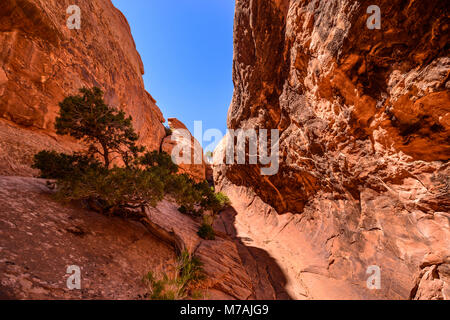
{"type": "Point", "coordinates": [209, 154]}
{"type": "Point", "coordinates": [190, 268]}
{"type": "Point", "coordinates": [53, 165]}
{"type": "Point", "coordinates": [183, 209]}
{"type": "Point", "coordinates": [158, 161]}
{"type": "Point", "coordinates": [195, 198]}
{"type": "Point", "coordinates": [81, 177]}
{"type": "Point", "coordinates": [182, 188]}
{"type": "Point", "coordinates": [159, 289]}
{"type": "Point", "coordinates": [114, 190]}
{"type": "Point", "coordinates": [107, 190]}
{"type": "Point", "coordinates": [180, 285]}
{"type": "Point", "coordinates": [211, 200]}
{"type": "Point", "coordinates": [220, 202]}
{"type": "Point", "coordinates": [206, 232]}
{"type": "Point", "coordinates": [105, 130]}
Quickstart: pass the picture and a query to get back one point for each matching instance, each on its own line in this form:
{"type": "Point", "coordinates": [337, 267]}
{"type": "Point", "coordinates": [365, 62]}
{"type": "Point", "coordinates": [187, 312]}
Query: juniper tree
{"type": "Point", "coordinates": [105, 130]}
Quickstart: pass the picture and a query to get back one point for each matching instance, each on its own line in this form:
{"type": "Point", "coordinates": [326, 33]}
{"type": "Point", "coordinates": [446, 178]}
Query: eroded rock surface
{"type": "Point", "coordinates": [188, 151]}
{"type": "Point", "coordinates": [364, 121]}
{"type": "Point", "coordinates": [18, 145]}
{"type": "Point", "coordinates": [227, 278]}
{"type": "Point", "coordinates": [40, 238]}
{"type": "Point", "coordinates": [42, 61]}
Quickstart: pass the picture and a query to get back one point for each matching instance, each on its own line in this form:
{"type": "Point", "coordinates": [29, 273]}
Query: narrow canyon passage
{"type": "Point", "coordinates": [359, 123]}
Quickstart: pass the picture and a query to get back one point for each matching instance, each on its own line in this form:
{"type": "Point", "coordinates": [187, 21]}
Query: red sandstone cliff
{"type": "Point", "coordinates": [364, 120]}
{"type": "Point", "coordinates": [363, 180]}
{"type": "Point", "coordinates": [42, 61]}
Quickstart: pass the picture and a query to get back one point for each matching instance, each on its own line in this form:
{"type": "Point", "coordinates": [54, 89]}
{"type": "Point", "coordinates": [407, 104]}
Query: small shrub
{"type": "Point", "coordinates": [54, 165]}
{"type": "Point", "coordinates": [206, 232]}
{"type": "Point", "coordinates": [219, 202]}
{"type": "Point", "coordinates": [211, 200]}
{"type": "Point", "coordinates": [192, 212]}
{"type": "Point", "coordinates": [197, 295]}
{"type": "Point", "coordinates": [190, 268]}
{"type": "Point", "coordinates": [162, 289]}
{"type": "Point", "coordinates": [209, 154]}
{"type": "Point", "coordinates": [182, 188]}
{"type": "Point", "coordinates": [114, 191]}
{"type": "Point", "coordinates": [181, 284]}
{"type": "Point", "coordinates": [159, 162]}
{"type": "Point", "coordinates": [183, 209]}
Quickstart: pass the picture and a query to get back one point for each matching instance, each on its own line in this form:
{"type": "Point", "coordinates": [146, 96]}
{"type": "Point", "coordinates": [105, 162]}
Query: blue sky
{"type": "Point", "coordinates": [187, 50]}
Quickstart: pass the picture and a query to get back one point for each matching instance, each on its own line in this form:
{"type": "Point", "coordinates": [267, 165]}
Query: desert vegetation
{"type": "Point", "coordinates": [117, 177]}
{"type": "Point", "coordinates": [180, 284]}
{"type": "Point", "coordinates": [114, 175]}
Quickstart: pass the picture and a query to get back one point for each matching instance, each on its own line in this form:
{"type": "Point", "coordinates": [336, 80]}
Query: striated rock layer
{"type": "Point", "coordinates": [364, 144]}
{"type": "Point", "coordinates": [42, 61]}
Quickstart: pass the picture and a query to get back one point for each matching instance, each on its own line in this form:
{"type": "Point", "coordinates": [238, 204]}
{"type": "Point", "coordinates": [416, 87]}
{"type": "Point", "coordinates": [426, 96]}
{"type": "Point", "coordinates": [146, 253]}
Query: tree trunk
{"type": "Point", "coordinates": [106, 155]}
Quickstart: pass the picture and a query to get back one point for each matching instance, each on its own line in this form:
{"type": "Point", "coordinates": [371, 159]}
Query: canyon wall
{"type": "Point", "coordinates": [364, 123]}
{"type": "Point", "coordinates": [42, 61]}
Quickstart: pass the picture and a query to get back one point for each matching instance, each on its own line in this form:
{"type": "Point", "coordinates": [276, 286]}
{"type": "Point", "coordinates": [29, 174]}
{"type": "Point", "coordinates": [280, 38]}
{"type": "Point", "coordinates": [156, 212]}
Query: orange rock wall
{"type": "Point", "coordinates": [42, 61]}
{"type": "Point", "coordinates": [364, 129]}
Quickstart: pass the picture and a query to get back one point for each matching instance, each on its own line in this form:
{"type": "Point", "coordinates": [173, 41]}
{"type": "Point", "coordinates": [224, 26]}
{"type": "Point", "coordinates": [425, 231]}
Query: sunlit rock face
{"type": "Point", "coordinates": [364, 125]}
{"type": "Point", "coordinates": [42, 61]}
{"type": "Point", "coordinates": [181, 141]}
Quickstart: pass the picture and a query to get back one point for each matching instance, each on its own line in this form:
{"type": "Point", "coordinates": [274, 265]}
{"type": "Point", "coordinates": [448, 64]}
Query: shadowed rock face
{"type": "Point", "coordinates": [364, 124]}
{"type": "Point", "coordinates": [42, 61]}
